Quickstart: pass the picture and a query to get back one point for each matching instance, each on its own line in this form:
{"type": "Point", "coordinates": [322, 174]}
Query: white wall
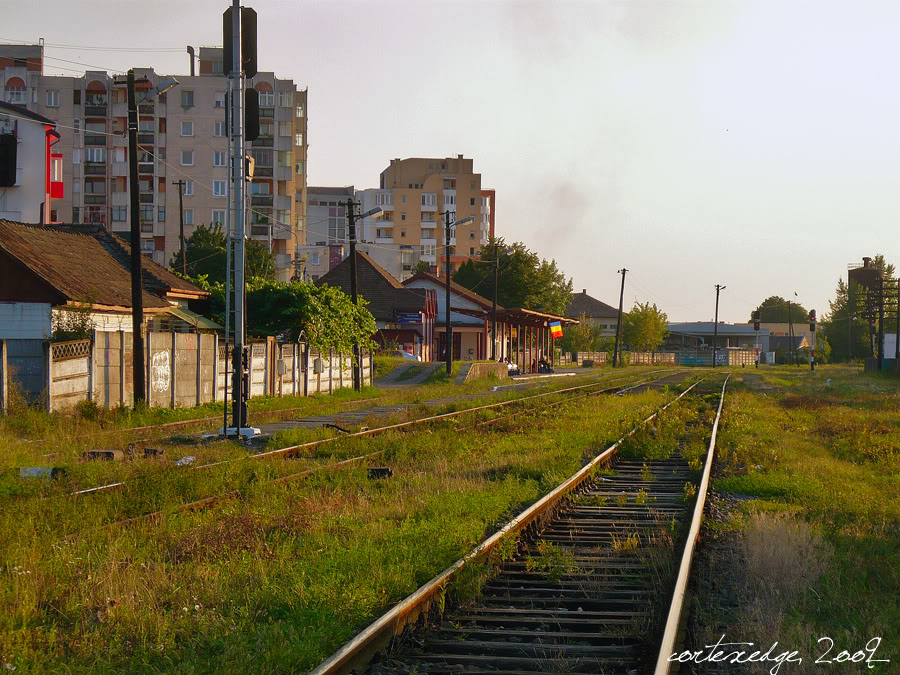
{"type": "Point", "coordinates": [456, 300]}
{"type": "Point", "coordinates": [23, 201]}
{"type": "Point", "coordinates": [24, 320]}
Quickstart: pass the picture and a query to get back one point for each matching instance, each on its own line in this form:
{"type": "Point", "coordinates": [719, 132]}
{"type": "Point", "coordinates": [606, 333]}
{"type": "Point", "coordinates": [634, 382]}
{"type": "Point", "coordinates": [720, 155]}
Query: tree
{"type": "Point", "coordinates": [774, 309]}
{"type": "Point", "coordinates": [205, 252]}
{"type": "Point", "coordinates": [645, 327]}
{"type": "Point", "coordinates": [325, 314]}
{"type": "Point", "coordinates": [525, 279]}
{"type": "Point", "coordinates": [585, 336]}
{"type": "Point", "coordinates": [422, 266]}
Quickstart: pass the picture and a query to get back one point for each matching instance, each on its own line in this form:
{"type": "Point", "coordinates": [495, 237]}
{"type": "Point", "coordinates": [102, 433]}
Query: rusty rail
{"type": "Point", "coordinates": [673, 620]}
{"type": "Point", "coordinates": [361, 648]}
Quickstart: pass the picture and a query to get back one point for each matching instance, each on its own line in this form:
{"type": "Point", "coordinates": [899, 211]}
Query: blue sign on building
{"type": "Point", "coordinates": [409, 317]}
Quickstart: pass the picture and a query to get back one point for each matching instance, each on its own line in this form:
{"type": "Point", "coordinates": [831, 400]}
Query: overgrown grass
{"type": "Point", "coordinates": [826, 455]}
{"type": "Point", "coordinates": [276, 578]}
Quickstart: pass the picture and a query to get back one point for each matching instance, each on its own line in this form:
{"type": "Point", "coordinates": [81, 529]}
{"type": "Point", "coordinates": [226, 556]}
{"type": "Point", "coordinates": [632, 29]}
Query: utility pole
{"type": "Point", "coordinates": [180, 183]}
{"type": "Point", "coordinates": [619, 319]}
{"type": "Point", "coordinates": [137, 289]}
{"type": "Point", "coordinates": [897, 332]}
{"type": "Point", "coordinates": [791, 335]}
{"type": "Point", "coordinates": [719, 288]}
{"type": "Point", "coordinates": [449, 331]}
{"type": "Point", "coordinates": [239, 408]}
{"type": "Point", "coordinates": [494, 307]}
{"type": "Point", "coordinates": [351, 215]}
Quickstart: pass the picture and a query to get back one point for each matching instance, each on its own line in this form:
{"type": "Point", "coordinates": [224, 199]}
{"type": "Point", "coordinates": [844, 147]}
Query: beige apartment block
{"type": "Point", "coordinates": [413, 195]}
{"type": "Point", "coordinates": [181, 136]}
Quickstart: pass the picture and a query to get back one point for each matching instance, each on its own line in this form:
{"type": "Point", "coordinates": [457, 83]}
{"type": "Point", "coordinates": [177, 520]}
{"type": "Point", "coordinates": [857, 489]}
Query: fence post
{"type": "Point", "coordinates": [340, 370]}
{"type": "Point", "coordinates": [48, 373]}
{"type": "Point", "coordinates": [294, 366]}
{"type": "Point", "coordinates": [330, 368]}
{"type": "Point", "coordinates": [215, 370]}
{"type": "Point", "coordinates": [174, 374]}
{"type": "Point", "coordinates": [149, 390]}
{"type": "Point", "coordinates": [122, 368]}
{"type": "Point", "coordinates": [199, 363]}
{"type": "Point", "coordinates": [90, 396]}
{"type": "Point", "coordinates": [4, 375]}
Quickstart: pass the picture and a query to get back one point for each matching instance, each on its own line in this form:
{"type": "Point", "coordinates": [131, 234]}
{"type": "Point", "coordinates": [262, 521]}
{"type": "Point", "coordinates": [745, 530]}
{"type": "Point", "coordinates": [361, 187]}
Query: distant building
{"type": "Point", "coordinates": [404, 316]}
{"type": "Point", "coordinates": [181, 135]}
{"type": "Point", "coordinates": [595, 311]}
{"type": "Point", "coordinates": [699, 335]}
{"type": "Point", "coordinates": [29, 137]}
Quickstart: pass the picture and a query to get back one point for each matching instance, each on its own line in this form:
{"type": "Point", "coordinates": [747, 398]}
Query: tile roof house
{"type": "Point", "coordinates": [46, 268]}
{"type": "Point", "coordinates": [595, 312]}
{"type": "Point", "coordinates": [402, 315]}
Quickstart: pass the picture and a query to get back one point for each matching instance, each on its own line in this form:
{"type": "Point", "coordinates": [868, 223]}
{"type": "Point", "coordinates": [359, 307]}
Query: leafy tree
{"type": "Point", "coordinates": [774, 309]}
{"type": "Point", "coordinates": [325, 314]}
{"type": "Point", "coordinates": [206, 256]}
{"type": "Point", "coordinates": [525, 279]}
{"type": "Point", "coordinates": [645, 327]}
{"type": "Point", "coordinates": [422, 266]}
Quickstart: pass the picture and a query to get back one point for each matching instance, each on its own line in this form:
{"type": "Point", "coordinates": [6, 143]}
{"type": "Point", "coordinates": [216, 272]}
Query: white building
{"type": "Point", "coordinates": [38, 170]}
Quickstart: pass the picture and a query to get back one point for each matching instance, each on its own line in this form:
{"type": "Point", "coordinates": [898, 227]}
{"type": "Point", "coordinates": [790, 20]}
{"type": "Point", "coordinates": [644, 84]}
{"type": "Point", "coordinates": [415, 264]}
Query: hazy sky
{"type": "Point", "coordinates": [753, 144]}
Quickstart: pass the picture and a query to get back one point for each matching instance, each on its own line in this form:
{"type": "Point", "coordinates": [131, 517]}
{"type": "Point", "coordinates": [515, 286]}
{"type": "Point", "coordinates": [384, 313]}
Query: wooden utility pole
{"type": "Point", "coordinates": [719, 289]}
{"type": "Point", "coordinates": [137, 287]}
{"type": "Point", "coordinates": [180, 183]}
{"type": "Point", "coordinates": [619, 320]}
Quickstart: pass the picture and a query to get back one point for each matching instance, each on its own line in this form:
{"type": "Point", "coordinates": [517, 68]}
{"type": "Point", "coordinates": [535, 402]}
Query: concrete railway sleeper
{"type": "Point", "coordinates": [587, 589]}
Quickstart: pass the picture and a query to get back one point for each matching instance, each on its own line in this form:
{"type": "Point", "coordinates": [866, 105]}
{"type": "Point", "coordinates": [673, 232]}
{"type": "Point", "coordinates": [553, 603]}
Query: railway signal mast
{"type": "Point", "coordinates": [812, 342]}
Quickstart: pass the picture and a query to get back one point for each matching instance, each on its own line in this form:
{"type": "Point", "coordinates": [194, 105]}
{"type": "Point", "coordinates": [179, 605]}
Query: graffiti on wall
{"type": "Point", "coordinates": [160, 372]}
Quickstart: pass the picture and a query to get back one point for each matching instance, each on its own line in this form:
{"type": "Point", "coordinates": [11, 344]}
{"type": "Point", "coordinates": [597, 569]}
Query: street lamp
{"type": "Point", "coordinates": [716, 325]}
{"type": "Point", "coordinates": [137, 300]}
{"type": "Point", "coordinates": [351, 221]}
{"type": "Point", "coordinates": [448, 225]}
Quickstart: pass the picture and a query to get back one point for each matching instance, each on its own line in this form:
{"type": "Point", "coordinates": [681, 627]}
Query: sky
{"type": "Point", "coordinates": [753, 144]}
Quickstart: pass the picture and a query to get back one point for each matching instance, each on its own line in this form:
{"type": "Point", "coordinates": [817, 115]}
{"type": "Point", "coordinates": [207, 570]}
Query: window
{"type": "Point", "coordinates": [266, 129]}
{"type": "Point", "coordinates": [15, 94]}
{"type": "Point", "coordinates": [188, 188]}
{"type": "Point", "coordinates": [220, 99]}
{"type": "Point", "coordinates": [189, 216]}
{"type": "Point", "coordinates": [285, 99]}
{"type": "Point", "coordinates": [147, 214]}
{"type": "Point", "coordinates": [298, 168]}
{"type": "Point", "coordinates": [161, 214]}
{"type": "Point", "coordinates": [471, 235]}
{"type": "Point", "coordinates": [403, 199]}
{"type": "Point", "coordinates": [284, 158]}
{"type": "Point", "coordinates": [283, 216]}
{"type": "Point", "coordinates": [218, 158]}
{"type": "Point", "coordinates": [218, 216]}
{"type": "Point", "coordinates": [429, 199]}
{"type": "Point", "coordinates": [262, 157]}
{"type": "Point", "coordinates": [119, 214]}
{"type": "Point", "coordinates": [187, 158]}
{"type": "Point", "coordinates": [260, 188]}
{"type": "Point", "coordinates": [449, 200]}
{"type": "Point", "coordinates": [187, 98]}
{"type": "Point", "coordinates": [119, 155]}
{"type": "Point", "coordinates": [315, 258]}
{"type": "Point", "coordinates": [427, 217]}
{"type": "Point", "coordinates": [53, 98]}
{"type": "Point", "coordinates": [187, 129]}
{"type": "Point", "coordinates": [472, 201]}
{"type": "Point", "coordinates": [76, 214]}
{"type": "Point", "coordinates": [298, 139]}
{"type": "Point", "coordinates": [471, 251]}
{"type": "Point", "coordinates": [403, 234]}
{"type": "Point", "coordinates": [219, 129]}
{"type": "Point", "coordinates": [218, 188]}
{"type": "Point", "coordinates": [299, 111]}
{"type": "Point", "coordinates": [76, 96]}
{"type": "Point", "coordinates": [147, 245]}
{"type": "Point", "coordinates": [266, 99]}
{"type": "Point", "coordinates": [284, 129]}
{"type": "Point", "coordinates": [76, 185]}
{"type": "Point", "coordinates": [95, 155]}
{"type": "Point", "coordinates": [76, 156]}
{"type": "Point", "coordinates": [402, 216]}
{"type": "Point", "coordinates": [76, 126]}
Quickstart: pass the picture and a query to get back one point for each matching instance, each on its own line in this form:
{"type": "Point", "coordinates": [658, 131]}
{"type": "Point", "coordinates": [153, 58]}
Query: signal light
{"type": "Point", "coordinates": [812, 321]}
{"type": "Point", "coordinates": [251, 114]}
{"type": "Point", "coordinates": [248, 42]}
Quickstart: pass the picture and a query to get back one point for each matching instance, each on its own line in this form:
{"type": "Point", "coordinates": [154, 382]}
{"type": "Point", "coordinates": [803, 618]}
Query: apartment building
{"type": "Point", "coordinates": [181, 136]}
{"type": "Point", "coordinates": [413, 193]}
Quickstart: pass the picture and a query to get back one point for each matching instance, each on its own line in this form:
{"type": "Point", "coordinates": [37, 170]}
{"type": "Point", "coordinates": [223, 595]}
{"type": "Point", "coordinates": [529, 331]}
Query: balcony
{"type": "Point", "coordinates": [120, 110]}
{"type": "Point", "coordinates": [259, 230]}
{"type": "Point", "coordinates": [145, 168]}
{"type": "Point", "coordinates": [282, 202]}
{"type": "Point", "coordinates": [261, 200]}
{"type": "Point", "coordinates": [95, 110]}
{"type": "Point", "coordinates": [120, 199]}
{"type": "Point", "coordinates": [94, 169]}
{"type": "Point", "coordinates": [94, 200]}
{"type": "Point", "coordinates": [120, 169]}
{"type": "Point", "coordinates": [120, 141]}
{"type": "Point", "coordinates": [263, 171]}
{"type": "Point", "coordinates": [284, 173]}
{"type": "Point", "coordinates": [283, 260]}
{"type": "Point", "coordinates": [145, 109]}
{"type": "Point", "coordinates": [267, 112]}
{"type": "Point", "coordinates": [384, 240]}
{"type": "Point", "coordinates": [94, 139]}
{"type": "Point", "coordinates": [264, 142]}
{"type": "Point", "coordinates": [429, 202]}
{"type": "Point", "coordinates": [146, 139]}
{"type": "Point", "coordinates": [146, 198]}
{"type": "Point", "coordinates": [146, 227]}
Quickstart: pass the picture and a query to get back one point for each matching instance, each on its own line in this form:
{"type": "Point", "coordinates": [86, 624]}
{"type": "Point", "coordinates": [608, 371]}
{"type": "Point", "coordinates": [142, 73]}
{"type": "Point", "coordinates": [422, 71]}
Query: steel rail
{"type": "Point", "coordinates": [292, 450]}
{"type": "Point", "coordinates": [676, 608]}
{"type": "Point", "coordinates": [361, 647]}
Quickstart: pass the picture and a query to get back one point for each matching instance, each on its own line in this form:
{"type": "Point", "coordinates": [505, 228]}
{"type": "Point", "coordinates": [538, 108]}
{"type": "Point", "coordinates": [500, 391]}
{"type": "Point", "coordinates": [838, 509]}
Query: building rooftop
{"type": "Point", "coordinates": [21, 111]}
{"type": "Point", "coordinates": [709, 328]}
{"type": "Point", "coordinates": [582, 303]}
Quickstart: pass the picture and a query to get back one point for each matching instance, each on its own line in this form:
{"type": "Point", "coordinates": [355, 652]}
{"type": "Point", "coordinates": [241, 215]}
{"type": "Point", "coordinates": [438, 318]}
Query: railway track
{"type": "Point", "coordinates": [588, 590]}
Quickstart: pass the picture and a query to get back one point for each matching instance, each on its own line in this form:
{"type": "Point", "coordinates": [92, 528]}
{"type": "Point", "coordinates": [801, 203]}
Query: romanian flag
{"type": "Point", "coordinates": [555, 329]}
